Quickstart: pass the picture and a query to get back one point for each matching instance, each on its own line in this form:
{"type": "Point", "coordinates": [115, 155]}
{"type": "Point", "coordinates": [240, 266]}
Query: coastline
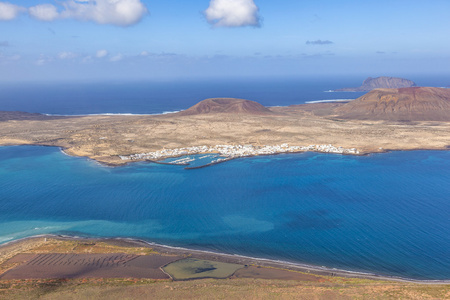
{"type": "Point", "coordinates": [233, 258]}
{"type": "Point", "coordinates": [123, 163]}
{"type": "Point", "coordinates": [129, 162]}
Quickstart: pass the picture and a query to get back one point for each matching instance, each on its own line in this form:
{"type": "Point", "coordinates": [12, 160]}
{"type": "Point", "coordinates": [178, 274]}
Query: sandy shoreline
{"type": "Point", "coordinates": [229, 258]}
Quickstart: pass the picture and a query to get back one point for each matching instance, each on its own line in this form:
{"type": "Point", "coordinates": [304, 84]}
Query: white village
{"type": "Point", "coordinates": [228, 152]}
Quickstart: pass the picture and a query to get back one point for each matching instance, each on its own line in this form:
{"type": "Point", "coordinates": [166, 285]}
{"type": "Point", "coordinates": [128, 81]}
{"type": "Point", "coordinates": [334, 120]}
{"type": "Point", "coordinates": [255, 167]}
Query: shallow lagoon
{"type": "Point", "coordinates": [385, 213]}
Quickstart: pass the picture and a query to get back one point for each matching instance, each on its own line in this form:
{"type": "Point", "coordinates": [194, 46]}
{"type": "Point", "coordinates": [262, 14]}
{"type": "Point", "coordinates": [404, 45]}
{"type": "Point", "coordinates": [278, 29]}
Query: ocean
{"type": "Point", "coordinates": [387, 213]}
{"type": "Point", "coordinates": [74, 98]}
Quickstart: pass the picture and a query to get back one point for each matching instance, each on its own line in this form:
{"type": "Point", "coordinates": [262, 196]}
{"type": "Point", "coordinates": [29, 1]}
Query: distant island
{"type": "Point", "coordinates": [382, 82]}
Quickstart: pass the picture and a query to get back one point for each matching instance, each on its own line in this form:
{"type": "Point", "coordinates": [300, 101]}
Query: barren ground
{"type": "Point", "coordinates": [103, 138]}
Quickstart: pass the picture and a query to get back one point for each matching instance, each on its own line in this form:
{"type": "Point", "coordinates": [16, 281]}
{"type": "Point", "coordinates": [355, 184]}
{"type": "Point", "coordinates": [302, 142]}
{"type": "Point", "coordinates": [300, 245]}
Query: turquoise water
{"type": "Point", "coordinates": [385, 213]}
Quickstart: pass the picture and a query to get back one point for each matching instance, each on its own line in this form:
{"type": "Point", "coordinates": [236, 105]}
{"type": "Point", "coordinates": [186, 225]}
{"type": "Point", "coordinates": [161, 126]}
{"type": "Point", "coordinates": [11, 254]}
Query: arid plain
{"type": "Point", "coordinates": [103, 138]}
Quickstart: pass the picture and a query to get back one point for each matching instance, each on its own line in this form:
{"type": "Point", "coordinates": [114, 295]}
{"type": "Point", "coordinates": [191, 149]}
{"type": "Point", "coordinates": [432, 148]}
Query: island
{"type": "Point", "coordinates": [382, 120]}
{"type": "Point", "coordinates": [380, 82]}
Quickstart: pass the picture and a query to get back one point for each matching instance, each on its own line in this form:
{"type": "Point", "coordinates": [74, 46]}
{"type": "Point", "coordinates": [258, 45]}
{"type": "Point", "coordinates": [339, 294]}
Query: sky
{"type": "Point", "coordinates": [183, 39]}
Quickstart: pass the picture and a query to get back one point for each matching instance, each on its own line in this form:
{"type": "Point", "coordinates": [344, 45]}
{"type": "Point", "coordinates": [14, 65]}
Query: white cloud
{"type": "Point", "coordinates": [44, 12]}
{"type": "Point", "coordinates": [232, 13]}
{"type": "Point", "coordinates": [43, 59]}
{"type": "Point", "coordinates": [9, 58]}
{"type": "Point", "coordinates": [9, 11]}
{"type": "Point", "coordinates": [117, 57]}
{"type": "Point", "coordinates": [86, 59]}
{"type": "Point", "coordinates": [101, 53]}
{"type": "Point", "coordinates": [67, 55]}
{"type": "Point", "coordinates": [115, 12]}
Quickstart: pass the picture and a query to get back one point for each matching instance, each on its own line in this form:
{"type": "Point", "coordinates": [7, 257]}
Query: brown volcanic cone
{"type": "Point", "coordinates": [227, 105]}
{"type": "Point", "coordinates": [405, 104]}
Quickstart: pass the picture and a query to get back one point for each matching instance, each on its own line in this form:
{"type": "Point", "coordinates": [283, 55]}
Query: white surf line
{"type": "Point", "coordinates": [112, 114]}
{"type": "Point", "coordinates": [331, 100]}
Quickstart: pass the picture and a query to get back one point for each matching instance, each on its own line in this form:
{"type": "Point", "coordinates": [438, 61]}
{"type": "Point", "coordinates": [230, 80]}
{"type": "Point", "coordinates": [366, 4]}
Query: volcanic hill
{"type": "Point", "coordinates": [404, 104]}
{"type": "Point", "coordinates": [226, 105]}
{"type": "Point", "coordinates": [382, 82]}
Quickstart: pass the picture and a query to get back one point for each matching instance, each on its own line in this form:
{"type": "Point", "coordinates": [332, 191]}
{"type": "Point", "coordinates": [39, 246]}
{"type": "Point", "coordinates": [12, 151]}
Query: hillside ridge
{"type": "Point", "coordinates": [403, 104]}
{"type": "Point", "coordinates": [226, 105]}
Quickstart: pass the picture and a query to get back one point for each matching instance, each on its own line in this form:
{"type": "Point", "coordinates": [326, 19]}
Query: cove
{"type": "Point", "coordinates": [385, 213]}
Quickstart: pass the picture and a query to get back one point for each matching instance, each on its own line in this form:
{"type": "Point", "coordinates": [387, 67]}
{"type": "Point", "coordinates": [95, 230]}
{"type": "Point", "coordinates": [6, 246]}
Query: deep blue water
{"type": "Point", "coordinates": [157, 97]}
{"type": "Point", "coordinates": [384, 213]}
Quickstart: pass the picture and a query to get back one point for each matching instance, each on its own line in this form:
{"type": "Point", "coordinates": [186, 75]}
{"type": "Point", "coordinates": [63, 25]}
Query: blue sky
{"type": "Point", "coordinates": [172, 39]}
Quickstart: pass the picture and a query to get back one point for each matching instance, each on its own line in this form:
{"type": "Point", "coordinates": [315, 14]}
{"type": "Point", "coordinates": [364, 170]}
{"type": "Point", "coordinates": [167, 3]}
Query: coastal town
{"type": "Point", "coordinates": [228, 152]}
